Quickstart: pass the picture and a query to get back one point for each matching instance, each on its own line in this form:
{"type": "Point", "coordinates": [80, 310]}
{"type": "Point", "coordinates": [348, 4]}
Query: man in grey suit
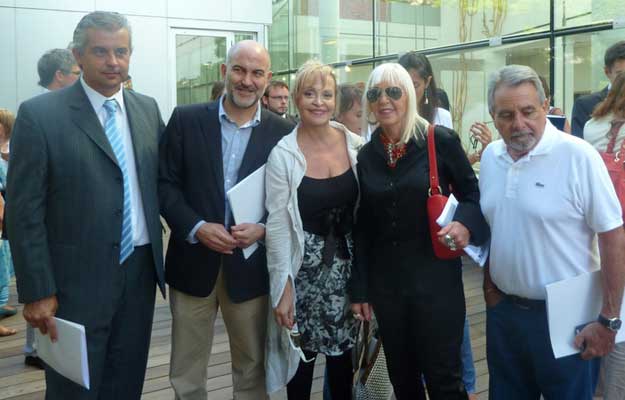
{"type": "Point", "coordinates": [83, 214]}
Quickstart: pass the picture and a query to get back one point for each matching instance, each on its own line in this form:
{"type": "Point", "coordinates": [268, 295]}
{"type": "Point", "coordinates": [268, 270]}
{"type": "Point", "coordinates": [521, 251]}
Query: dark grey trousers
{"type": "Point", "coordinates": [118, 340]}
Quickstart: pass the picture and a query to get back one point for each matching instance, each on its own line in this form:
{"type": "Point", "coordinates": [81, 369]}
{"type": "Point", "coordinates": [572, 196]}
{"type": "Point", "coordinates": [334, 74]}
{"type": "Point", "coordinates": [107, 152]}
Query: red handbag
{"type": "Point", "coordinates": [614, 162]}
{"type": "Point", "coordinates": [436, 202]}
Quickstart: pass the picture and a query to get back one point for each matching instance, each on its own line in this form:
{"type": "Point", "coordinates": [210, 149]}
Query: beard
{"type": "Point", "coordinates": [238, 101]}
{"type": "Point", "coordinates": [521, 141]}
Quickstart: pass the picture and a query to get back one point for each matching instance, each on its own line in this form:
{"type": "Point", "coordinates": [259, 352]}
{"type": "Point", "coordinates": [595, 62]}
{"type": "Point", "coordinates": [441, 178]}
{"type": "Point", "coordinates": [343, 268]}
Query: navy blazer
{"type": "Point", "coordinates": [191, 189]}
{"type": "Point", "coordinates": [583, 108]}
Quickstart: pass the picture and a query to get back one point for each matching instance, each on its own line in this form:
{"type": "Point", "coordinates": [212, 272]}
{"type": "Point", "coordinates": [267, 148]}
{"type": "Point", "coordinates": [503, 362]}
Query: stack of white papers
{"type": "Point", "coordinates": [68, 356]}
{"type": "Point", "coordinates": [247, 202]}
{"type": "Point", "coordinates": [479, 254]}
{"type": "Point", "coordinates": [571, 303]}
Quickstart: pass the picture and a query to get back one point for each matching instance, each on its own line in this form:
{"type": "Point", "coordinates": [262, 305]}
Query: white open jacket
{"type": "Point", "coordinates": [284, 240]}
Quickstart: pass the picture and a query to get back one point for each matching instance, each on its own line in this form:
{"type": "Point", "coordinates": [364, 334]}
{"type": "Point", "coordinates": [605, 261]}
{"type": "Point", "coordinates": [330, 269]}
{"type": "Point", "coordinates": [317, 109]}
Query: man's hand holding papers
{"type": "Point", "coordinates": [40, 314]}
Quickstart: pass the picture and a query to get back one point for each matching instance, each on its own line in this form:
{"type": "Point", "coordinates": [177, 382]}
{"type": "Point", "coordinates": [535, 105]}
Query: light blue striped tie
{"type": "Point", "coordinates": [117, 143]}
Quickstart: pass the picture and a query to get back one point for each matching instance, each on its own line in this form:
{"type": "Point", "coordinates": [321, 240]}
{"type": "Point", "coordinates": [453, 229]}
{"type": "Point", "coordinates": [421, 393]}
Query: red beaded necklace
{"type": "Point", "coordinates": [394, 151]}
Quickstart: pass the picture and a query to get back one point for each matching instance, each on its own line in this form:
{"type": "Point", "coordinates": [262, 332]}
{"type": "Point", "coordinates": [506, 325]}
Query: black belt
{"type": "Point", "coordinates": [334, 224]}
{"type": "Point", "coordinates": [526, 304]}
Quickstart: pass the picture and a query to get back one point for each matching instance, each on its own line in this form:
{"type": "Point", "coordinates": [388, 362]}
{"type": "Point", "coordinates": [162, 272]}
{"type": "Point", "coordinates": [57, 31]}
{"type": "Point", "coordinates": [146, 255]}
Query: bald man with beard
{"type": "Point", "coordinates": [207, 149]}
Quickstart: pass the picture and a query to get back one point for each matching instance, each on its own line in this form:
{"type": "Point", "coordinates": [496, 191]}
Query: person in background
{"type": "Point", "coordinates": [349, 111]}
{"type": "Point", "coordinates": [57, 69]}
{"type": "Point", "coordinates": [554, 110]}
{"type": "Point", "coordinates": [312, 192]}
{"type": "Point", "coordinates": [418, 299]}
{"type": "Point", "coordinates": [217, 90]}
{"type": "Point", "coordinates": [6, 264]}
{"type": "Point", "coordinates": [614, 62]}
{"type": "Point", "coordinates": [443, 99]}
{"type": "Point", "coordinates": [427, 92]}
{"type": "Point", "coordinates": [552, 209]}
{"type": "Point", "coordinates": [607, 122]}
{"type": "Point", "coordinates": [276, 99]}
{"type": "Point", "coordinates": [422, 76]}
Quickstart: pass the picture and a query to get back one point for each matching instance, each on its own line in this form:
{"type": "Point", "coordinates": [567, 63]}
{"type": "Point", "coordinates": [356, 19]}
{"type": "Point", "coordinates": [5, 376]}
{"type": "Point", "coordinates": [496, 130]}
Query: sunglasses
{"type": "Point", "coordinates": [295, 341]}
{"type": "Point", "coordinates": [392, 92]}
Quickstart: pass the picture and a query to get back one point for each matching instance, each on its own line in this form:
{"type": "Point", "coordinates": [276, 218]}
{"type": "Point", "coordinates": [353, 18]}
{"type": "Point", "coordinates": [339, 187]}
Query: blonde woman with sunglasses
{"type": "Point", "coordinates": [418, 299]}
{"type": "Point", "coordinates": [312, 190]}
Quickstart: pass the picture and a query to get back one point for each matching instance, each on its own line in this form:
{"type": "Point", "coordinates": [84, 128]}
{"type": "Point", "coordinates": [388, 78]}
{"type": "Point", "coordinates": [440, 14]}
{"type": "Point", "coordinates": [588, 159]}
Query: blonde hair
{"type": "Point", "coordinates": [394, 74]}
{"type": "Point", "coordinates": [6, 120]}
{"type": "Point", "coordinates": [308, 72]}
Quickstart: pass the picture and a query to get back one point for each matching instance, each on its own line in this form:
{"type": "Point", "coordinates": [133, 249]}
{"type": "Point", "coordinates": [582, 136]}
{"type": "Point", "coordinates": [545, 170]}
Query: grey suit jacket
{"type": "Point", "coordinates": [65, 195]}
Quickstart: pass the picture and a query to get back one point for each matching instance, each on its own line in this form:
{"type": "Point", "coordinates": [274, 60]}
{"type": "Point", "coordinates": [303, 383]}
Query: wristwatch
{"type": "Point", "coordinates": [613, 324]}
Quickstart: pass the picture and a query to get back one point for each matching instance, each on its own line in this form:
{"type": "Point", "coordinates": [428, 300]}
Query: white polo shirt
{"type": "Point", "coordinates": [544, 211]}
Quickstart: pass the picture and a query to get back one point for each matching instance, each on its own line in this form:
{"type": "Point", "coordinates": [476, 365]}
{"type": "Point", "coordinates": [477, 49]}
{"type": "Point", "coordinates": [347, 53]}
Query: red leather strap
{"type": "Point", "coordinates": [435, 187]}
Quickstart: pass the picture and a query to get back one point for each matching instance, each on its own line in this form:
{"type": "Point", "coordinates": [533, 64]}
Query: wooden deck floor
{"type": "Point", "coordinates": [19, 382]}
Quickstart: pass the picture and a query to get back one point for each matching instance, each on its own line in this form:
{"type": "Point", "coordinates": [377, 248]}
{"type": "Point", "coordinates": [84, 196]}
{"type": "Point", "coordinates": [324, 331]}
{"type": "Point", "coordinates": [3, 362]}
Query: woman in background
{"type": "Point", "coordinates": [606, 129]}
{"type": "Point", "coordinates": [350, 108]}
{"type": "Point", "coordinates": [6, 265]}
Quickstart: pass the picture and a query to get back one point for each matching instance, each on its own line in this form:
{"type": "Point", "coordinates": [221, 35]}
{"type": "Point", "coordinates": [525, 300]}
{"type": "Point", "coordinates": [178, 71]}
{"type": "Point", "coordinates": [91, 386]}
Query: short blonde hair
{"type": "Point", "coordinates": [396, 75]}
{"type": "Point", "coordinates": [308, 72]}
{"type": "Point", "coordinates": [6, 120]}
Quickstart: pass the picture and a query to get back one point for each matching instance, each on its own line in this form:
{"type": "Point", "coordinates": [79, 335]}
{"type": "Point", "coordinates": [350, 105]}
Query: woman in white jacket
{"type": "Point", "coordinates": [312, 192]}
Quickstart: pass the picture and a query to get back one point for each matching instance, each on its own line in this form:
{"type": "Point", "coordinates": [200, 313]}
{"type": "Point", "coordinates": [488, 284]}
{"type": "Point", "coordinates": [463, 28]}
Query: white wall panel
{"type": "Point", "coordinates": [7, 3]}
{"type": "Point", "coordinates": [217, 10]}
{"type": "Point", "coordinates": [36, 32]}
{"type": "Point", "coordinates": [8, 92]}
{"type": "Point", "coordinates": [156, 8]}
{"type": "Point", "coordinates": [60, 5]}
{"type": "Point", "coordinates": [258, 11]}
{"type": "Point", "coordinates": [148, 64]}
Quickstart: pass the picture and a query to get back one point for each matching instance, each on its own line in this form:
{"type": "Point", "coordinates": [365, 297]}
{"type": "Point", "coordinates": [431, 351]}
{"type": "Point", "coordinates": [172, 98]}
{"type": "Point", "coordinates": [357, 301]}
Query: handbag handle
{"type": "Point", "coordinates": [435, 187]}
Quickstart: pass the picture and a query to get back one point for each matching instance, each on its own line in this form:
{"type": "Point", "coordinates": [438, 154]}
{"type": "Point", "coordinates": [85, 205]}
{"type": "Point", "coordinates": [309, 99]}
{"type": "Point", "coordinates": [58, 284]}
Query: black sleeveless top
{"type": "Point", "coordinates": [326, 207]}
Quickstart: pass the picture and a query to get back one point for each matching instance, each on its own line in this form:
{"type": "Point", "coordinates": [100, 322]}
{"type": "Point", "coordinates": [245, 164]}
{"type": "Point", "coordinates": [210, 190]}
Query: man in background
{"type": "Point", "coordinates": [614, 62]}
{"type": "Point", "coordinates": [57, 69]}
{"type": "Point", "coordinates": [276, 99]}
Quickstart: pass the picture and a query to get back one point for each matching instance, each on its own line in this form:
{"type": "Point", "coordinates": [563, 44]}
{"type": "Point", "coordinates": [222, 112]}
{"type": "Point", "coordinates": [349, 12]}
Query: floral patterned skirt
{"type": "Point", "coordinates": [322, 307]}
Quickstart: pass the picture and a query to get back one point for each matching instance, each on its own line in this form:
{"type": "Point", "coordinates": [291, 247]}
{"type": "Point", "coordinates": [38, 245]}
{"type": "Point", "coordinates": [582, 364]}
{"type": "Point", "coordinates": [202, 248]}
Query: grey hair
{"type": "Point", "coordinates": [99, 20]}
{"type": "Point", "coordinates": [512, 76]}
{"type": "Point", "coordinates": [54, 60]}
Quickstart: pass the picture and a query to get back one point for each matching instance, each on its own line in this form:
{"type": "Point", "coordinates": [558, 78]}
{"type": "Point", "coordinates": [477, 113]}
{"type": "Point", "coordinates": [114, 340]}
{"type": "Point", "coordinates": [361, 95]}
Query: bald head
{"type": "Point", "coordinates": [249, 48]}
{"type": "Point", "coordinates": [246, 73]}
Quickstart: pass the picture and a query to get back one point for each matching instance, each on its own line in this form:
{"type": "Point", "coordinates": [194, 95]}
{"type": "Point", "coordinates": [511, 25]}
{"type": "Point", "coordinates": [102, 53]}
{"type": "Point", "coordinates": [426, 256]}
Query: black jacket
{"type": "Point", "coordinates": [583, 108]}
{"type": "Point", "coordinates": [191, 189]}
{"type": "Point", "coordinates": [393, 250]}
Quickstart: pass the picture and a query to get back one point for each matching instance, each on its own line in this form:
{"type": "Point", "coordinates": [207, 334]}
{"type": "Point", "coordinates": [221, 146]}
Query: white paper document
{"type": "Point", "coordinates": [247, 202]}
{"type": "Point", "coordinates": [479, 254]}
{"type": "Point", "coordinates": [68, 356]}
{"type": "Point", "coordinates": [571, 303]}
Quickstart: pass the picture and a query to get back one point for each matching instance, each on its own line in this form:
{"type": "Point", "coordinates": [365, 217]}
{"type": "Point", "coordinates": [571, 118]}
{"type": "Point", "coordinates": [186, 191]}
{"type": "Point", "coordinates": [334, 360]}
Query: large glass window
{"type": "Point", "coordinates": [403, 25]}
{"type": "Point", "coordinates": [198, 61]}
{"type": "Point", "coordinates": [570, 13]}
{"type": "Point", "coordinates": [464, 76]}
{"type": "Point", "coordinates": [579, 65]}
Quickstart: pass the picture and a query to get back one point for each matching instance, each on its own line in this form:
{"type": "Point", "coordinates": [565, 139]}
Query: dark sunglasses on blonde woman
{"type": "Point", "coordinates": [392, 92]}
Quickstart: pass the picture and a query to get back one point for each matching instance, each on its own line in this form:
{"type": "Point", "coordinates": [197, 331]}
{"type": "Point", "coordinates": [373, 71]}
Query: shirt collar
{"type": "Point", "coordinates": [544, 146]}
{"type": "Point", "coordinates": [224, 116]}
{"type": "Point", "coordinates": [97, 100]}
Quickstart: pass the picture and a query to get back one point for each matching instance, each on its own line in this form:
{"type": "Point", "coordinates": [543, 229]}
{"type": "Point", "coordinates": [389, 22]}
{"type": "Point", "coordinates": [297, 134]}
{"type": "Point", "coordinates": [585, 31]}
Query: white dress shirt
{"type": "Point", "coordinates": [139, 226]}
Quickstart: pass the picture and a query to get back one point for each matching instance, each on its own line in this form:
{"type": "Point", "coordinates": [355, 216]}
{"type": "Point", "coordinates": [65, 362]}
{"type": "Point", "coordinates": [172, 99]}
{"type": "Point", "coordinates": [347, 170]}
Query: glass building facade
{"type": "Point", "coordinates": [465, 40]}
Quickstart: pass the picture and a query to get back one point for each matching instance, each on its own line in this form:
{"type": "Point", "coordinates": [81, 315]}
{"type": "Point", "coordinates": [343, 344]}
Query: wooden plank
{"type": "Point", "coordinates": [19, 382]}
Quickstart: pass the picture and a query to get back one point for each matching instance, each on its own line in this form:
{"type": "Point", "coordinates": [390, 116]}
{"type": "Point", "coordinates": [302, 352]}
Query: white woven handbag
{"type": "Point", "coordinates": [371, 380]}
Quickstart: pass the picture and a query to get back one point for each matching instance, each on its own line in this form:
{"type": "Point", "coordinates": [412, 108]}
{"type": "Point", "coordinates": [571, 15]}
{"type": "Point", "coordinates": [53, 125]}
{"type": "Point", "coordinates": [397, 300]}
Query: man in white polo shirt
{"type": "Point", "coordinates": [547, 198]}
